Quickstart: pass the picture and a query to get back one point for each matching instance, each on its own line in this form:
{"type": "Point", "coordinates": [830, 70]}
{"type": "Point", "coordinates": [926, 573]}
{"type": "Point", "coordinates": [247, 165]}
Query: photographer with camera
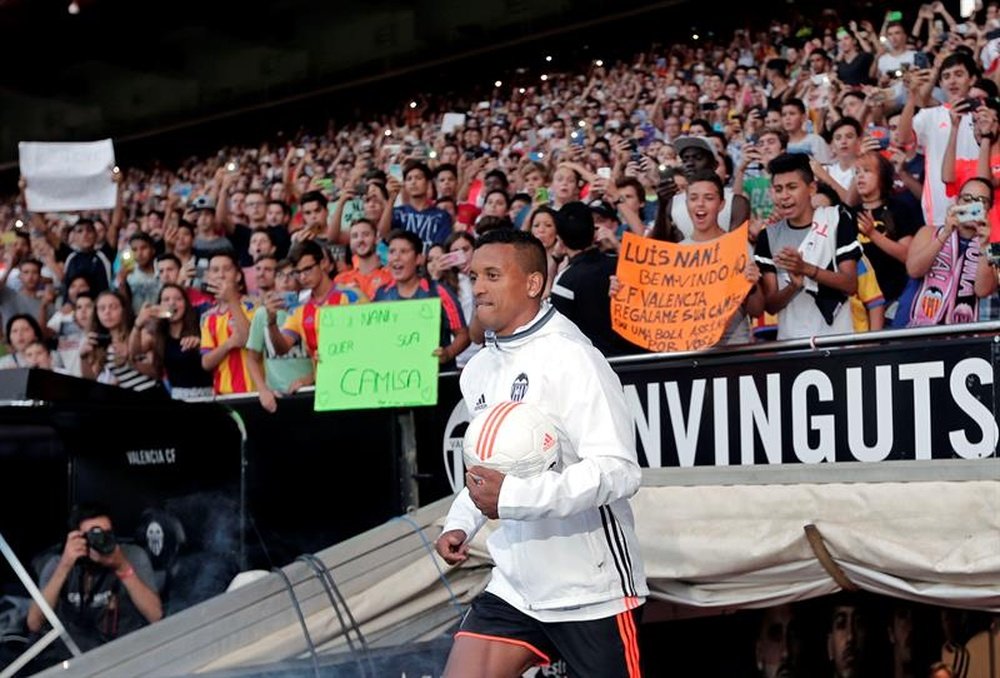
{"type": "Point", "coordinates": [99, 588]}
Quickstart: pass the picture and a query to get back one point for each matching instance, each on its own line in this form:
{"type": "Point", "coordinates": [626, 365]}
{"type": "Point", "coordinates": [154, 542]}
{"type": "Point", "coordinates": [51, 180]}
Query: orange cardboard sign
{"type": "Point", "coordinates": [679, 297]}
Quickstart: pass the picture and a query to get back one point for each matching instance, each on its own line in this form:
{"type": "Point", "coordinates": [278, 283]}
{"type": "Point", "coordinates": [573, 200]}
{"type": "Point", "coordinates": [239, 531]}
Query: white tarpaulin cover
{"type": "Point", "coordinates": [705, 547]}
{"type": "Point", "coordinates": [745, 546]}
{"type": "Point", "coordinates": [64, 176]}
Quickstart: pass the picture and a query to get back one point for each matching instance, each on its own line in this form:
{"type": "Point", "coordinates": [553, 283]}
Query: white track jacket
{"type": "Point", "coordinates": [566, 547]}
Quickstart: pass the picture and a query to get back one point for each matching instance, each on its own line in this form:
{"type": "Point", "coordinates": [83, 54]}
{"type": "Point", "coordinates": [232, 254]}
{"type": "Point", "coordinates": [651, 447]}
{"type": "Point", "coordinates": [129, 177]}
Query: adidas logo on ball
{"type": "Point", "coordinates": [513, 437]}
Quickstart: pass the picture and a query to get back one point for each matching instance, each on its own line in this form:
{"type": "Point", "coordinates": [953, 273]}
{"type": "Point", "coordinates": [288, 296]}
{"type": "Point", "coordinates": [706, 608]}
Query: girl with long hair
{"type": "Point", "coordinates": [168, 335]}
{"type": "Point", "coordinates": [886, 225]}
{"type": "Point", "coordinates": [104, 354]}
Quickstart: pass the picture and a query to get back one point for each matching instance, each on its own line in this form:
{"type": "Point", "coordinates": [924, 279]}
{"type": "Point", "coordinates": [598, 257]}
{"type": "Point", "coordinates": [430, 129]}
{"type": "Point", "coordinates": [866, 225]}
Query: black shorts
{"type": "Point", "coordinates": [598, 648]}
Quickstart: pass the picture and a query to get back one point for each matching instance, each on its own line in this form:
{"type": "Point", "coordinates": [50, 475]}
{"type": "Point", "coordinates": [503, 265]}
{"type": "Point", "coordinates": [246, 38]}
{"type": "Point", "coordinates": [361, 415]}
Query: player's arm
{"type": "Point", "coordinates": [596, 420]}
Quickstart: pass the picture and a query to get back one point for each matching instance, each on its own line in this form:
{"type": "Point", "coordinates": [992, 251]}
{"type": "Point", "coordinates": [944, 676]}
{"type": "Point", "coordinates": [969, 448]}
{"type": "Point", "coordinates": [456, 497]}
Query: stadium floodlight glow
{"type": "Point", "coordinates": [498, 83]}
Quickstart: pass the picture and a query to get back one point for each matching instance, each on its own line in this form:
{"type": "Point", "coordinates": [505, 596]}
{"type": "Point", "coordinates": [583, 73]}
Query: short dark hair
{"type": "Point", "coordinates": [366, 222]}
{"type": "Point", "coordinates": [233, 259]}
{"type": "Point", "coordinates": [634, 183]}
{"type": "Point", "coordinates": [419, 166]}
{"type": "Point", "coordinates": [488, 224]}
{"type": "Point", "coordinates": [282, 204]}
{"type": "Point", "coordinates": [778, 132]}
{"type": "Point", "coordinates": [446, 167]}
{"type": "Point", "coordinates": [857, 94]}
{"type": "Point", "coordinates": [575, 225]}
{"type": "Point", "coordinates": [798, 103]}
{"type": "Point", "coordinates": [305, 248]}
{"type": "Point", "coordinates": [266, 255]}
{"type": "Point", "coordinates": [499, 174]}
{"type": "Point", "coordinates": [85, 511]}
{"type": "Point", "coordinates": [169, 257]}
{"type": "Point", "coordinates": [312, 196]}
{"type": "Point", "coordinates": [960, 58]}
{"type": "Point", "coordinates": [792, 162]}
{"type": "Point", "coordinates": [408, 236]}
{"type": "Point", "coordinates": [702, 122]}
{"type": "Point", "coordinates": [265, 231]}
{"type": "Point", "coordinates": [529, 250]}
{"type": "Point", "coordinates": [985, 181]}
{"type": "Point", "coordinates": [380, 187]}
{"type": "Point", "coordinates": [144, 237]}
{"type": "Point", "coordinates": [710, 176]}
{"type": "Point", "coordinates": [498, 191]}
{"type": "Point", "coordinates": [846, 121]}
{"type": "Point", "coordinates": [823, 188]}
{"type": "Point", "coordinates": [32, 261]}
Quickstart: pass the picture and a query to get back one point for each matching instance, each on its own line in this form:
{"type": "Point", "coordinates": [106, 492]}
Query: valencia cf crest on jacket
{"type": "Point", "coordinates": [519, 387]}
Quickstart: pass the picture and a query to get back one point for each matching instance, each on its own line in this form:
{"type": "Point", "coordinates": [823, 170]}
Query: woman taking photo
{"type": "Point", "coordinates": [949, 273]}
{"type": "Point", "coordinates": [104, 354]}
{"type": "Point", "coordinates": [169, 336]}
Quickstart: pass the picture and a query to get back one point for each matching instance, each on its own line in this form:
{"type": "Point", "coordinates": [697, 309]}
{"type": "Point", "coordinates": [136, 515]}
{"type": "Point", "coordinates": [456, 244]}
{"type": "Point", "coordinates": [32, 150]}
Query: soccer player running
{"type": "Point", "coordinates": [568, 578]}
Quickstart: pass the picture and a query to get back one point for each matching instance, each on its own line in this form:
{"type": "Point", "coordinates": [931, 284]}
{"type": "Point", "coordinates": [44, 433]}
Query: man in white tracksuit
{"type": "Point", "coordinates": [568, 577]}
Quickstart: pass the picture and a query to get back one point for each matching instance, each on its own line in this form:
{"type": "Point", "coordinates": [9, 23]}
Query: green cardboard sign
{"type": "Point", "coordinates": [378, 355]}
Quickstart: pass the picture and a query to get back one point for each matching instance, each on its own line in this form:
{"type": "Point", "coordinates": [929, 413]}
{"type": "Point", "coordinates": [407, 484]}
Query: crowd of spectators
{"type": "Point", "coordinates": [865, 159]}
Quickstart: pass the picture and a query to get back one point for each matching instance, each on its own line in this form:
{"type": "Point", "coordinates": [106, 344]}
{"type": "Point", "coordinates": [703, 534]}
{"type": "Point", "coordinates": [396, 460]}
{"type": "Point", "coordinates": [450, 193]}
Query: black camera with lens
{"type": "Point", "coordinates": [101, 540]}
{"type": "Point", "coordinates": [102, 339]}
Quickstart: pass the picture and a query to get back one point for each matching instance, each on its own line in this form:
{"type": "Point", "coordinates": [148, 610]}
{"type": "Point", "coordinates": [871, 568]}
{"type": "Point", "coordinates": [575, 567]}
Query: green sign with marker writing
{"type": "Point", "coordinates": [378, 355]}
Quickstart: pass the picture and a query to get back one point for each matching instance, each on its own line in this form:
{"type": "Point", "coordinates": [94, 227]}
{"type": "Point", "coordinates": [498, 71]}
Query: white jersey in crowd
{"type": "Point", "coordinates": [682, 218]}
{"type": "Point", "coordinates": [888, 63]}
{"type": "Point", "coordinates": [566, 548]}
{"type": "Point", "coordinates": [932, 127]}
{"type": "Point", "coordinates": [844, 177]}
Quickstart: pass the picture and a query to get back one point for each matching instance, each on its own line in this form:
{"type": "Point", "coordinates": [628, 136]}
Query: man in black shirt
{"type": "Point", "coordinates": [580, 291]}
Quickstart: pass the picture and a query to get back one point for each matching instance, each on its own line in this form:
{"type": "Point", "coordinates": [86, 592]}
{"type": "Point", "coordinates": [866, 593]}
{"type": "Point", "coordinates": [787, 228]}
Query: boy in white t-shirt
{"type": "Point", "coordinates": [932, 125]}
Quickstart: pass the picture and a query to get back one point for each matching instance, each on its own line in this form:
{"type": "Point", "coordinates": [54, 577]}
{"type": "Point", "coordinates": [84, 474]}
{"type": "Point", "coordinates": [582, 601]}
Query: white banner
{"type": "Point", "coordinates": [65, 177]}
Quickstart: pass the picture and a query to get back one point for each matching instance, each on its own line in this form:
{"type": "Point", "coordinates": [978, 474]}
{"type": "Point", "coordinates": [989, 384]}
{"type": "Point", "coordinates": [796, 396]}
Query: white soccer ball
{"type": "Point", "coordinates": [513, 437]}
